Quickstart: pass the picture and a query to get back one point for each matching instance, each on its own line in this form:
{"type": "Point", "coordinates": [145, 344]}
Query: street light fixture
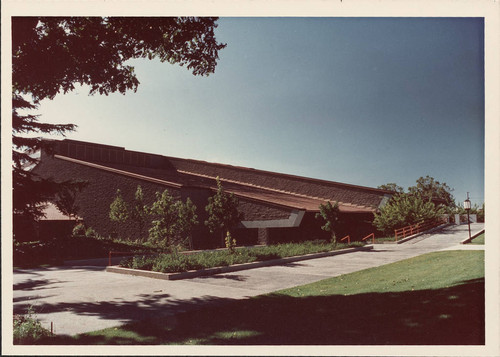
{"type": "Point", "coordinates": [467, 208]}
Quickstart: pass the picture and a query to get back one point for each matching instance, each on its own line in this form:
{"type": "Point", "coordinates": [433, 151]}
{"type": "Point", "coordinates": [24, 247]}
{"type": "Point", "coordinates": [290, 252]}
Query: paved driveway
{"type": "Point", "coordinates": [79, 299]}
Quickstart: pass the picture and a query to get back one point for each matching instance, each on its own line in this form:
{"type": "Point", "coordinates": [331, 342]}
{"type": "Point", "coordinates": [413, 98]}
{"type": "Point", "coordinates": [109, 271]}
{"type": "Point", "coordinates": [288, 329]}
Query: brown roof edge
{"type": "Point", "coordinates": [177, 185]}
{"type": "Point", "coordinates": [119, 172]}
{"type": "Point", "coordinates": [166, 183]}
{"type": "Point", "coordinates": [92, 144]}
{"type": "Point", "coordinates": [366, 188]}
{"type": "Point", "coordinates": [345, 204]}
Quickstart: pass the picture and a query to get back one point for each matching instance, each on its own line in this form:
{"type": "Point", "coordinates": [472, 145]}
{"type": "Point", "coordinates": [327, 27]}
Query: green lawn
{"type": "Point", "coordinates": [437, 298]}
{"type": "Point", "coordinates": [479, 239]}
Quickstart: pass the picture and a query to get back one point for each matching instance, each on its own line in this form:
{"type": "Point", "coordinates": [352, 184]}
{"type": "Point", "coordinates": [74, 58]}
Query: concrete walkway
{"type": "Point", "coordinates": [79, 299]}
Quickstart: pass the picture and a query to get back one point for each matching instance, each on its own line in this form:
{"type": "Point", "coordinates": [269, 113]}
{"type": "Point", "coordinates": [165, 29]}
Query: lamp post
{"type": "Point", "coordinates": [467, 208]}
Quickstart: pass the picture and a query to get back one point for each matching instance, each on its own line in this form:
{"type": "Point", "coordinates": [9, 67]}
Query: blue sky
{"type": "Point", "coordinates": [364, 101]}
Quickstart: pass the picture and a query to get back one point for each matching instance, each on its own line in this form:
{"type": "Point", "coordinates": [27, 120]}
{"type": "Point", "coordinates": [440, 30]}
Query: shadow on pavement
{"type": "Point", "coordinates": [448, 316]}
{"type": "Point", "coordinates": [38, 284]}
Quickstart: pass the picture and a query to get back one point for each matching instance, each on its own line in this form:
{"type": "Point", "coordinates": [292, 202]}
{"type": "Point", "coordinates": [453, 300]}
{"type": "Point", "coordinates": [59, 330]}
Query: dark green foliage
{"type": "Point", "coordinates": [222, 209]}
{"type": "Point", "coordinates": [187, 219]}
{"type": "Point", "coordinates": [118, 210]}
{"type": "Point", "coordinates": [426, 201]}
{"type": "Point", "coordinates": [176, 262]}
{"type": "Point", "coordinates": [403, 210]}
{"type": "Point", "coordinates": [65, 199]}
{"type": "Point", "coordinates": [330, 215]}
{"type": "Point", "coordinates": [391, 187]}
{"type": "Point", "coordinates": [430, 189]}
{"type": "Point", "coordinates": [139, 211]}
{"type": "Point", "coordinates": [51, 55]}
{"type": "Point", "coordinates": [173, 221]}
{"type": "Point", "coordinates": [28, 330]}
{"type": "Point", "coordinates": [81, 246]}
{"type": "Point", "coordinates": [30, 191]}
{"type": "Point", "coordinates": [79, 230]}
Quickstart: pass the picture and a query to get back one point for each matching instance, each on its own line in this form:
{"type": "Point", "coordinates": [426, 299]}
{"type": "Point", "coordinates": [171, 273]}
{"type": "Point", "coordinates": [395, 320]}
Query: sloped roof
{"type": "Point", "coordinates": [263, 186]}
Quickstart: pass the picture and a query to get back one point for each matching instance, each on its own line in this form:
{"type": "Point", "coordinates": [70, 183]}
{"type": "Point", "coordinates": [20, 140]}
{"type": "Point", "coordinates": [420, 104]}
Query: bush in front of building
{"type": "Point", "coordinates": [405, 209]}
{"type": "Point", "coordinates": [176, 262]}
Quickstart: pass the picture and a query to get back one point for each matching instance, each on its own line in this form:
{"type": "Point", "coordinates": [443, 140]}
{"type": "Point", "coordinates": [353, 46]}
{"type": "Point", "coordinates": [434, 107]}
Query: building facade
{"type": "Point", "coordinates": [276, 207]}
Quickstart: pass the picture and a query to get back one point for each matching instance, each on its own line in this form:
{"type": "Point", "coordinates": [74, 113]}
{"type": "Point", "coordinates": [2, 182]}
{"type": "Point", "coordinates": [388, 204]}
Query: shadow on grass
{"type": "Point", "coordinates": [448, 316]}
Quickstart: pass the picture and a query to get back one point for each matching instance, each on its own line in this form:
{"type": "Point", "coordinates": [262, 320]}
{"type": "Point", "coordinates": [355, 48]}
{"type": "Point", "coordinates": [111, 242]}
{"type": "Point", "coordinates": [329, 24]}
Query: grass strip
{"type": "Point", "coordinates": [433, 299]}
{"type": "Point", "coordinates": [479, 239]}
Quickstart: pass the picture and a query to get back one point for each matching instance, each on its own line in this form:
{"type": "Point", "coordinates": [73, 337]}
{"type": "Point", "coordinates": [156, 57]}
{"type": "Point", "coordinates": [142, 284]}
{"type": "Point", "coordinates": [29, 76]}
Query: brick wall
{"type": "Point", "coordinates": [97, 196]}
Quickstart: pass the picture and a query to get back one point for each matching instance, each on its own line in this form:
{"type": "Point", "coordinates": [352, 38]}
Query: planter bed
{"type": "Point", "coordinates": [231, 268]}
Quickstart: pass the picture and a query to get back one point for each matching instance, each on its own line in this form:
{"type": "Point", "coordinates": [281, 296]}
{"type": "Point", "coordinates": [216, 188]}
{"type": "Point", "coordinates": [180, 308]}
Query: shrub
{"type": "Point", "coordinates": [403, 210]}
{"type": "Point", "coordinates": [27, 329]}
{"type": "Point", "coordinates": [91, 233]}
{"type": "Point", "coordinates": [230, 242]}
{"type": "Point", "coordinates": [170, 263]}
{"type": "Point", "coordinates": [79, 230]}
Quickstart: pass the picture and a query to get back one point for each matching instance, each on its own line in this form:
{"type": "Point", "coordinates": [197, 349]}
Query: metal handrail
{"type": "Point", "coordinates": [415, 228]}
{"type": "Point", "coordinates": [370, 235]}
{"type": "Point", "coordinates": [348, 239]}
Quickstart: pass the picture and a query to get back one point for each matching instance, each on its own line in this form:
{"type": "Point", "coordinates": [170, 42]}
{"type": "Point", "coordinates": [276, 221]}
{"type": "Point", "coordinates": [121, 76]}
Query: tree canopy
{"type": "Point", "coordinates": [222, 209]}
{"type": "Point", "coordinates": [51, 55]}
{"type": "Point", "coordinates": [391, 187]}
{"type": "Point", "coordinates": [403, 210]}
{"type": "Point", "coordinates": [330, 215]}
{"type": "Point", "coordinates": [430, 189]}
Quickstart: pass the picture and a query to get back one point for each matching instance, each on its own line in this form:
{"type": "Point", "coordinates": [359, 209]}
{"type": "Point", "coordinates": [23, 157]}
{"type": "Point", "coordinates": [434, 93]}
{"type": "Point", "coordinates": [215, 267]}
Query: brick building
{"type": "Point", "coordinates": [276, 207]}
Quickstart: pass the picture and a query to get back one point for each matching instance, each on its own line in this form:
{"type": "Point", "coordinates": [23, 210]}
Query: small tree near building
{"type": "Point", "coordinates": [223, 214]}
{"type": "Point", "coordinates": [139, 212]}
{"type": "Point", "coordinates": [118, 210]}
{"type": "Point", "coordinates": [163, 230]}
{"type": "Point", "coordinates": [187, 220]}
{"type": "Point", "coordinates": [330, 215]}
{"type": "Point", "coordinates": [174, 221]}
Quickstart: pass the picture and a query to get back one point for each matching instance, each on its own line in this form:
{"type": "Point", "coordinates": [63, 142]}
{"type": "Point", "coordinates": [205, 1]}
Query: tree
{"type": "Point", "coordinates": [174, 221]}
{"type": "Point", "coordinates": [187, 220]}
{"type": "Point", "coordinates": [392, 187]}
{"type": "Point", "coordinates": [65, 199]}
{"type": "Point", "coordinates": [118, 210]}
{"type": "Point", "coordinates": [405, 209]}
{"type": "Point", "coordinates": [30, 191]}
{"type": "Point", "coordinates": [163, 230]}
{"type": "Point", "coordinates": [51, 55]}
{"type": "Point", "coordinates": [430, 189]}
{"type": "Point", "coordinates": [330, 215]}
{"type": "Point", "coordinates": [223, 214]}
{"type": "Point", "coordinates": [139, 211]}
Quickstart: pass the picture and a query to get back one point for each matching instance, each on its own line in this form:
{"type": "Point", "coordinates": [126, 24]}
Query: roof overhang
{"type": "Point", "coordinates": [293, 220]}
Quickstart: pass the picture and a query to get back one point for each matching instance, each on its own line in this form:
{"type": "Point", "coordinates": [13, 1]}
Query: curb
{"type": "Point", "coordinates": [236, 267]}
{"type": "Point", "coordinates": [468, 240]}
